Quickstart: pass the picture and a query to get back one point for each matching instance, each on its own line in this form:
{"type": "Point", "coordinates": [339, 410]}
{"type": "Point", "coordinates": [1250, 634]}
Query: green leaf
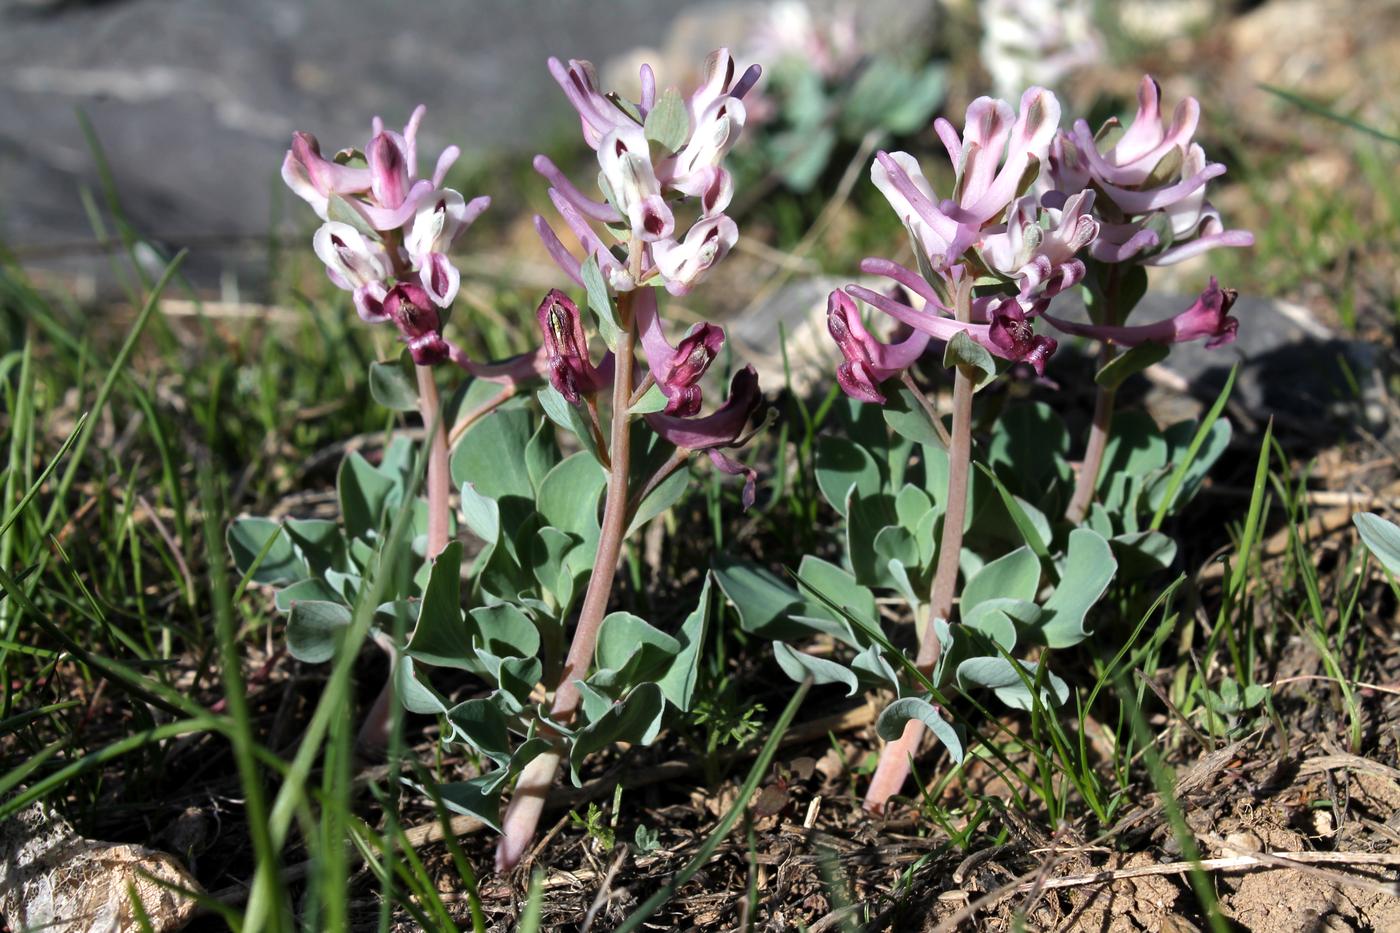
{"type": "Point", "coordinates": [1136, 446]}
{"type": "Point", "coordinates": [838, 586]}
{"type": "Point", "coordinates": [678, 683]}
{"type": "Point", "coordinates": [999, 619]}
{"type": "Point", "coordinates": [765, 602]}
{"type": "Point", "coordinates": [1382, 539]}
{"type": "Point", "coordinates": [630, 650]}
{"type": "Point", "coordinates": [1186, 468]}
{"type": "Point", "coordinates": [314, 628]}
{"type": "Point", "coordinates": [364, 495]}
{"type": "Point", "coordinates": [1143, 552]}
{"type": "Point", "coordinates": [319, 542]}
{"type": "Point", "coordinates": [653, 400]}
{"type": "Point", "coordinates": [1028, 449]}
{"type": "Point", "coordinates": [414, 691]}
{"type": "Point", "coordinates": [897, 543]}
{"type": "Point", "coordinates": [971, 358]}
{"type": "Point", "coordinates": [569, 496]}
{"type": "Point", "coordinates": [1012, 576]}
{"type": "Point", "coordinates": [1089, 567]}
{"type": "Point", "coordinates": [873, 671]}
{"type": "Point", "coordinates": [394, 384]}
{"type": "Point", "coordinates": [482, 514]}
{"type": "Point", "coordinates": [600, 302]}
{"type": "Point", "coordinates": [481, 724]}
{"type": "Point", "coordinates": [890, 725]}
{"type": "Point", "coordinates": [998, 675]}
{"type": "Point", "coordinates": [314, 589]}
{"type": "Point", "coordinates": [541, 454]}
{"type": "Point", "coordinates": [338, 210]}
{"type": "Point", "coordinates": [916, 105]}
{"type": "Point", "coordinates": [799, 665]}
{"type": "Point", "coordinates": [668, 123]}
{"type": "Point", "coordinates": [479, 797]}
{"type": "Point", "coordinates": [570, 418]}
{"type": "Point", "coordinates": [1032, 524]}
{"type": "Point", "coordinates": [1197, 462]}
{"type": "Point", "coordinates": [441, 637]}
{"type": "Point", "coordinates": [866, 518]}
{"type": "Point", "coordinates": [502, 630]}
{"type": "Point", "coordinates": [908, 419]}
{"type": "Point", "coordinates": [842, 465]}
{"type": "Point", "coordinates": [1134, 361]}
{"type": "Point", "coordinates": [491, 455]}
{"type": "Point", "coordinates": [801, 155]}
{"type": "Point", "coordinates": [547, 557]}
{"type": "Point", "coordinates": [247, 537]}
{"type": "Point", "coordinates": [1132, 284]}
{"type": "Point", "coordinates": [661, 498]}
{"type": "Point", "coordinates": [636, 718]}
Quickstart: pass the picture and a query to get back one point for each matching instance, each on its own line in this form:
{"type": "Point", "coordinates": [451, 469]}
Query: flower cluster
{"type": "Point", "coordinates": [657, 156]}
{"type": "Point", "coordinates": [1151, 184]}
{"type": "Point", "coordinates": [652, 153]}
{"type": "Point", "coordinates": [1032, 208]}
{"type": "Point", "coordinates": [387, 233]}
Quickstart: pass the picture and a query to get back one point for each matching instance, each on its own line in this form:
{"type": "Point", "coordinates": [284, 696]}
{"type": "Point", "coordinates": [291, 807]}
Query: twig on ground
{"type": "Point", "coordinates": [605, 891]}
{"type": "Point", "coordinates": [1298, 861]}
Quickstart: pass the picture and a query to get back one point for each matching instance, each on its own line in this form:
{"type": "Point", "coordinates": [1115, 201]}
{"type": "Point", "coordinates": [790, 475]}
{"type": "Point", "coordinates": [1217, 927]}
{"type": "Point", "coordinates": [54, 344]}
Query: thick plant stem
{"type": "Point", "coordinates": [1088, 479]}
{"type": "Point", "coordinates": [893, 769]}
{"type": "Point", "coordinates": [374, 731]}
{"type": "Point", "coordinates": [521, 820]}
{"type": "Point", "coordinates": [439, 481]}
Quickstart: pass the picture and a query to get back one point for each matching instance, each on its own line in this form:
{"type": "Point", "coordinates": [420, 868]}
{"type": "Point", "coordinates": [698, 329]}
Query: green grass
{"type": "Point", "coordinates": [131, 656]}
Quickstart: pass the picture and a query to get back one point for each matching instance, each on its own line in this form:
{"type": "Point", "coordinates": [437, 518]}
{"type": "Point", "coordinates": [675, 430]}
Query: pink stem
{"type": "Point", "coordinates": [521, 821]}
{"type": "Point", "coordinates": [1088, 479]}
{"type": "Point", "coordinates": [374, 731]}
{"type": "Point", "coordinates": [893, 769]}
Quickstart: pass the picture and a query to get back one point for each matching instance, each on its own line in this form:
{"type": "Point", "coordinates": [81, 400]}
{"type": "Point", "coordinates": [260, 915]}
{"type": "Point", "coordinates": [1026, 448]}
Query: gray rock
{"type": "Point", "coordinates": [194, 102]}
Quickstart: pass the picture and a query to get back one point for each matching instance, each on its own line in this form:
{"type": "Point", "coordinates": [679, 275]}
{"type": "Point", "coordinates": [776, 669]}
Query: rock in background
{"type": "Point", "coordinates": [194, 102]}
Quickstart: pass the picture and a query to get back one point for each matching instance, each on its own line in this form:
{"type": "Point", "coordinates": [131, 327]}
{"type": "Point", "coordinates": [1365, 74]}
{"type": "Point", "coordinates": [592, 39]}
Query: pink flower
{"type": "Point", "coordinates": [439, 221]}
{"type": "Point", "coordinates": [683, 264]}
{"type": "Point", "coordinates": [1011, 330]}
{"type": "Point", "coordinates": [1150, 184]}
{"type": "Point", "coordinates": [641, 181]}
{"type": "Point", "coordinates": [314, 179]}
{"type": "Point", "coordinates": [1000, 323]}
{"type": "Point", "coordinates": [1040, 246]}
{"type": "Point", "coordinates": [1208, 318]}
{"type": "Point", "coordinates": [677, 369]}
{"type": "Point", "coordinates": [867, 361]}
{"type": "Point", "coordinates": [998, 150]}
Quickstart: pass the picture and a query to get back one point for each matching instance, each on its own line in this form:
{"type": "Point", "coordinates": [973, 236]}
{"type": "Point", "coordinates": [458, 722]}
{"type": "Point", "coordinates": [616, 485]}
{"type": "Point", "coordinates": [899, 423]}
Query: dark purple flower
{"type": "Point", "coordinates": [724, 428]}
{"type": "Point", "coordinates": [934, 320]}
{"type": "Point", "coordinates": [418, 321]}
{"type": "Point", "coordinates": [1012, 331]}
{"type": "Point", "coordinates": [571, 371]}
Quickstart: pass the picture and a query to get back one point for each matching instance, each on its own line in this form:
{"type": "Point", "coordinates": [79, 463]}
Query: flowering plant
{"type": "Point", "coordinates": [551, 524]}
{"type": "Point", "coordinates": [1033, 212]}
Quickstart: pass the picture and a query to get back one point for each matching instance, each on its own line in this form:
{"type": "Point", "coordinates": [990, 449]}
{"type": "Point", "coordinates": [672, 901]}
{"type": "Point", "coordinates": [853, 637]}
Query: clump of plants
{"type": "Point", "coordinates": [558, 456]}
